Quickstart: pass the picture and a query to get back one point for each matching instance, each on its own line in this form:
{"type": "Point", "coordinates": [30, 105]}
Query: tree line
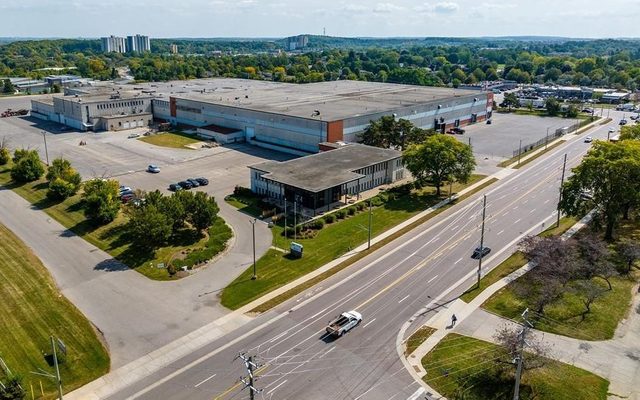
{"type": "Point", "coordinates": [603, 63]}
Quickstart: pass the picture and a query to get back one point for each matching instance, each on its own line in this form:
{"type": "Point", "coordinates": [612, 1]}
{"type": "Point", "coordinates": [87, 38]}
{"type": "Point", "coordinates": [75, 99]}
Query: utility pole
{"type": "Point", "coordinates": [519, 151]}
{"type": "Point", "coordinates": [370, 216]}
{"type": "Point", "coordinates": [46, 151]}
{"type": "Point", "coordinates": [295, 215]}
{"type": "Point", "coordinates": [250, 366]}
{"type": "Point", "coordinates": [285, 220]}
{"type": "Point", "coordinates": [546, 140]}
{"type": "Point", "coordinates": [564, 167]}
{"type": "Point", "coordinates": [55, 363]}
{"type": "Point", "coordinates": [253, 229]}
{"type": "Point", "coordinates": [525, 327]}
{"type": "Point", "coordinates": [484, 209]}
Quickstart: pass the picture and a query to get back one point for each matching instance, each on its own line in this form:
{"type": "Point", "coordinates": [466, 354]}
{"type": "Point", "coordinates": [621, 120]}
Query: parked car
{"type": "Point", "coordinates": [480, 252]}
{"type": "Point", "coordinates": [344, 323]}
{"type": "Point", "coordinates": [457, 131]}
{"type": "Point", "coordinates": [125, 198]}
{"type": "Point", "coordinates": [202, 181]}
{"type": "Point", "coordinates": [588, 139]}
{"type": "Point", "coordinates": [124, 189]}
{"type": "Point", "coordinates": [623, 122]}
{"type": "Point", "coordinates": [193, 182]}
{"type": "Point", "coordinates": [174, 187]}
{"type": "Point", "coordinates": [154, 169]}
{"type": "Point", "coordinates": [612, 130]}
{"type": "Point", "coordinates": [185, 184]}
{"type": "Point", "coordinates": [126, 192]}
{"type": "Point", "coordinates": [133, 135]}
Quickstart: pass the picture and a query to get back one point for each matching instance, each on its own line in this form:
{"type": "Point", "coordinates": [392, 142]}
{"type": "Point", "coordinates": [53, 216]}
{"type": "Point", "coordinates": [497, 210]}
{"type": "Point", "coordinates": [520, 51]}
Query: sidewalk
{"type": "Point", "coordinates": [617, 360]}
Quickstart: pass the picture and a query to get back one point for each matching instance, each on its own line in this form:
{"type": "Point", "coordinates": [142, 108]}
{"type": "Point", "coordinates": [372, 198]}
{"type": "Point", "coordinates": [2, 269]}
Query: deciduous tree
{"type": "Point", "coordinates": [439, 159]}
{"type": "Point", "coordinates": [27, 166]}
{"type": "Point", "coordinates": [100, 200]}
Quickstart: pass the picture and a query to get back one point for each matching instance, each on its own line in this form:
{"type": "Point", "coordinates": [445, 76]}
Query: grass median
{"type": "Point", "coordinates": [276, 269]}
{"type": "Point", "coordinates": [176, 140]}
{"type": "Point", "coordinates": [113, 237]}
{"type": "Point", "coordinates": [461, 367]}
{"type": "Point", "coordinates": [32, 310]}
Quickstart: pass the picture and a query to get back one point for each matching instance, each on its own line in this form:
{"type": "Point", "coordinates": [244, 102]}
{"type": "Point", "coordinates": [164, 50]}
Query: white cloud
{"type": "Point", "coordinates": [446, 7]}
{"type": "Point", "coordinates": [385, 8]}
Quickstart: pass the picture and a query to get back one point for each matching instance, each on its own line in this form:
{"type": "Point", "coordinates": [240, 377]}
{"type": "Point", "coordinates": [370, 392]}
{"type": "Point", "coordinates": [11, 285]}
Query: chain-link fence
{"type": "Point", "coordinates": [556, 134]}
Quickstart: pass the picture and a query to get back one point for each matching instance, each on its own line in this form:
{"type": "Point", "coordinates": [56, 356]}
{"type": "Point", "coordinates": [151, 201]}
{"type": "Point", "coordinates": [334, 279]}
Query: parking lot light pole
{"type": "Point", "coordinates": [519, 151]}
{"type": "Point", "coordinates": [253, 226]}
{"type": "Point", "coordinates": [46, 152]}
{"type": "Point", "coordinates": [369, 242]}
{"type": "Point", "coordinates": [546, 140]}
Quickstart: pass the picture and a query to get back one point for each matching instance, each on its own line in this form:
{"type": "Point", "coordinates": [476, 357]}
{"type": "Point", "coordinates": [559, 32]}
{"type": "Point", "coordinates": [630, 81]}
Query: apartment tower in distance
{"type": "Point", "coordinates": [174, 49]}
{"type": "Point", "coordinates": [138, 43]}
{"type": "Point", "coordinates": [113, 44]}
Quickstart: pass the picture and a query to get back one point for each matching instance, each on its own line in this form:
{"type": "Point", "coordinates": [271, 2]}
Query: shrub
{"type": "Point", "coordinates": [101, 202]}
{"type": "Point", "coordinates": [317, 224]}
{"type": "Point", "coordinates": [243, 191]}
{"type": "Point", "coordinates": [5, 156]}
{"type": "Point", "coordinates": [384, 197]}
{"type": "Point", "coordinates": [361, 206]}
{"type": "Point", "coordinates": [28, 167]}
{"type": "Point", "coordinates": [59, 189]}
{"type": "Point", "coordinates": [351, 211]}
{"type": "Point", "coordinates": [341, 214]}
{"type": "Point", "coordinates": [171, 269]}
{"type": "Point", "coordinates": [329, 218]}
{"type": "Point", "coordinates": [376, 201]}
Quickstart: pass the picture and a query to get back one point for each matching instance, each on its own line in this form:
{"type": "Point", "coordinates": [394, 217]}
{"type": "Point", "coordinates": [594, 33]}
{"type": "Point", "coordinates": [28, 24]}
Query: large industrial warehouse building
{"type": "Point", "coordinates": [293, 118]}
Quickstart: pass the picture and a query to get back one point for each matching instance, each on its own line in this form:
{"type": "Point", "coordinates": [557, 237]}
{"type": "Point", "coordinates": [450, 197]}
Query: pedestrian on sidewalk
{"type": "Point", "coordinates": [453, 320]}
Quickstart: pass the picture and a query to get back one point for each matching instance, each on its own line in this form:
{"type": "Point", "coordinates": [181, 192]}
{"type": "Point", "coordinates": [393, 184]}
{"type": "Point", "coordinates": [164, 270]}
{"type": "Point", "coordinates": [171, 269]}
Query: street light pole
{"type": "Point", "coordinates": [370, 216]}
{"type": "Point", "coordinates": [46, 151]}
{"type": "Point", "coordinates": [484, 208]}
{"type": "Point", "coordinates": [546, 140]}
{"type": "Point", "coordinates": [564, 166]}
{"type": "Point", "coordinates": [253, 226]}
{"type": "Point", "coordinates": [519, 151]}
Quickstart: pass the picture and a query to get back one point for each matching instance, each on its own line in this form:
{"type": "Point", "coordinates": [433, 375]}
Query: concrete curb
{"type": "Point", "coordinates": [441, 321]}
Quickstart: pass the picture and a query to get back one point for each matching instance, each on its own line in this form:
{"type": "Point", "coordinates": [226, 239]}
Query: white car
{"type": "Point", "coordinates": [154, 169]}
{"type": "Point", "coordinates": [588, 139]}
{"type": "Point", "coordinates": [612, 130]}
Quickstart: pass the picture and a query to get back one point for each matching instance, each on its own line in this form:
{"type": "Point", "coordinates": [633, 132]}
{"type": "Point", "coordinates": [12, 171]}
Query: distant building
{"type": "Point", "coordinates": [174, 49]}
{"type": "Point", "coordinates": [138, 43]}
{"type": "Point", "coordinates": [297, 42]}
{"type": "Point", "coordinates": [113, 44]}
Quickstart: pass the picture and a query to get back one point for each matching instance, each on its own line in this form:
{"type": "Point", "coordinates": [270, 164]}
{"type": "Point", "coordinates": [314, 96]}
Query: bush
{"type": "Point", "coordinates": [351, 211]}
{"type": "Point", "coordinates": [361, 206]}
{"type": "Point", "coordinates": [384, 197]}
{"type": "Point", "coordinates": [243, 191]}
{"type": "Point", "coordinates": [341, 214]}
{"type": "Point", "coordinates": [317, 224]}
{"type": "Point", "coordinates": [28, 167]}
{"type": "Point", "coordinates": [376, 201]}
{"type": "Point", "coordinates": [5, 156]}
{"type": "Point", "coordinates": [171, 269]}
{"type": "Point", "coordinates": [59, 189]}
{"type": "Point", "coordinates": [100, 200]}
{"type": "Point", "coordinates": [329, 218]}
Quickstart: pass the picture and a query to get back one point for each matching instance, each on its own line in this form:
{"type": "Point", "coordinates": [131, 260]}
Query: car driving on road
{"type": "Point", "coordinates": [344, 323]}
{"type": "Point", "coordinates": [480, 252]}
{"type": "Point", "coordinates": [588, 139]}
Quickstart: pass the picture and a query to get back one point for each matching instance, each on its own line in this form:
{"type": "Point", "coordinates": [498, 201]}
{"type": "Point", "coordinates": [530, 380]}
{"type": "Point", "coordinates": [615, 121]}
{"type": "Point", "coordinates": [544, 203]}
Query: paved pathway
{"type": "Point", "coordinates": [135, 314]}
{"type": "Point", "coordinates": [617, 360]}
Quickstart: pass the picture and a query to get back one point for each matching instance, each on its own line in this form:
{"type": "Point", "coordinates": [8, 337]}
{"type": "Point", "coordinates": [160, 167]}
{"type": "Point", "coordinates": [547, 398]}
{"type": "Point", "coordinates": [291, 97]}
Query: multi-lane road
{"type": "Point", "coordinates": [424, 268]}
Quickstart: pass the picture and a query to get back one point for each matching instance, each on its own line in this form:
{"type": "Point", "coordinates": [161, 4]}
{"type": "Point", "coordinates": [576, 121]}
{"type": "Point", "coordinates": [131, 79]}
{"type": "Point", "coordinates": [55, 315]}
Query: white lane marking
{"type": "Point", "coordinates": [435, 238]}
{"type": "Point", "coordinates": [459, 259]}
{"type": "Point", "coordinates": [432, 279]}
{"type": "Point", "coordinates": [506, 213]}
{"type": "Point", "coordinates": [500, 233]}
{"type": "Point", "coordinates": [330, 350]}
{"type": "Point", "coordinates": [532, 211]}
{"type": "Point", "coordinates": [455, 227]}
{"type": "Point", "coordinates": [370, 322]}
{"type": "Point", "coordinates": [404, 298]}
{"type": "Point", "coordinates": [279, 336]}
{"type": "Point", "coordinates": [518, 220]}
{"type": "Point", "coordinates": [281, 383]}
{"type": "Point", "coordinates": [546, 201]}
{"type": "Point", "coordinates": [515, 207]}
{"type": "Point", "coordinates": [204, 381]}
{"type": "Point", "coordinates": [416, 394]}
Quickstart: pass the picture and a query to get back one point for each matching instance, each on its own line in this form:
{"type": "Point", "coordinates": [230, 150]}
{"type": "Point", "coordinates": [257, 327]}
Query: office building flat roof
{"type": "Point", "coordinates": [318, 172]}
{"type": "Point", "coordinates": [327, 101]}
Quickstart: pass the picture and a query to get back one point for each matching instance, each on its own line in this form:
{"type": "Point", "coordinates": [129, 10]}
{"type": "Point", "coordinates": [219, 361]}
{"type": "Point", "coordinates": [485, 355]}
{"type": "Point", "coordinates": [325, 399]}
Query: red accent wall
{"type": "Point", "coordinates": [172, 106]}
{"type": "Point", "coordinates": [335, 131]}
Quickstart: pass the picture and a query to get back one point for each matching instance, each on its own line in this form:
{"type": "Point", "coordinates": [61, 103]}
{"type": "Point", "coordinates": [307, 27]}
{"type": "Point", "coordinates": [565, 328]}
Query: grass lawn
{"type": "Point", "coordinates": [418, 338]}
{"type": "Point", "coordinates": [565, 316]}
{"type": "Point", "coordinates": [177, 140]}
{"type": "Point", "coordinates": [112, 237]}
{"type": "Point", "coordinates": [463, 367]}
{"type": "Point", "coordinates": [275, 269]}
{"type": "Point", "coordinates": [32, 310]}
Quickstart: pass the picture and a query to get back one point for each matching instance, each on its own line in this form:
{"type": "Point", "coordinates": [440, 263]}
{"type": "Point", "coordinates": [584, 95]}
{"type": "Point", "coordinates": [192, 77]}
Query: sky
{"type": "Point", "coordinates": [279, 18]}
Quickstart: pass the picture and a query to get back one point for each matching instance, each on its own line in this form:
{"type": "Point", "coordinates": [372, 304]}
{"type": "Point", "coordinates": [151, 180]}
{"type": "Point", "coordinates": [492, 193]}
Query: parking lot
{"type": "Point", "coordinates": [496, 142]}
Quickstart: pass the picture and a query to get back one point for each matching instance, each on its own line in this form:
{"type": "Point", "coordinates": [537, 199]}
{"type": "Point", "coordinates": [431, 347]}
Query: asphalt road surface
{"type": "Point", "coordinates": [424, 268]}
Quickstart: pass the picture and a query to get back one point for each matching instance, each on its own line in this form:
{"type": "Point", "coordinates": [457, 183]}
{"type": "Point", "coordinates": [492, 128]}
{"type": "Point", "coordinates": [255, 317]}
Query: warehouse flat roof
{"type": "Point", "coordinates": [333, 100]}
{"type": "Point", "coordinates": [317, 172]}
{"type": "Point", "coordinates": [102, 97]}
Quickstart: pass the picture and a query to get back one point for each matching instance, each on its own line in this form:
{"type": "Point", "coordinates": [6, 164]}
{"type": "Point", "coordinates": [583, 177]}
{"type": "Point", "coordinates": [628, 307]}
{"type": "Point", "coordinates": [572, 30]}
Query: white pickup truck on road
{"type": "Point", "coordinates": [344, 323]}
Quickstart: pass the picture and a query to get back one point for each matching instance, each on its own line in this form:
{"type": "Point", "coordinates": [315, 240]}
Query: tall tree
{"type": "Point", "coordinates": [27, 166]}
{"type": "Point", "coordinates": [611, 172]}
{"type": "Point", "coordinates": [438, 159]}
{"type": "Point", "coordinates": [552, 105]}
{"type": "Point", "coordinates": [100, 200]}
{"type": "Point", "coordinates": [510, 100]}
{"type": "Point", "coordinates": [64, 180]}
{"type": "Point", "coordinates": [389, 132]}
